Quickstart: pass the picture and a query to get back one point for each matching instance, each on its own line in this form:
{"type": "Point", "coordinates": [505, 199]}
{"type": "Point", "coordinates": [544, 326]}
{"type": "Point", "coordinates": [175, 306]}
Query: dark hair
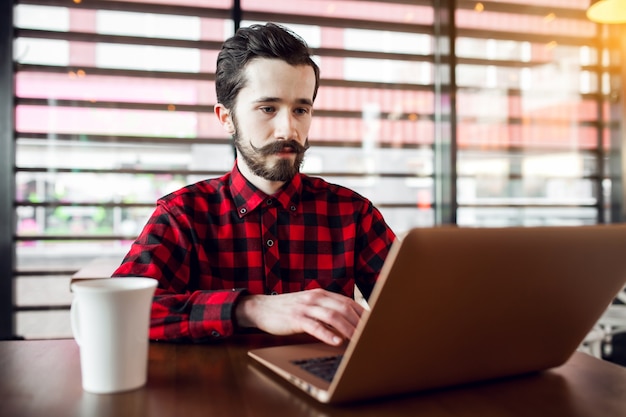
{"type": "Point", "coordinates": [257, 41]}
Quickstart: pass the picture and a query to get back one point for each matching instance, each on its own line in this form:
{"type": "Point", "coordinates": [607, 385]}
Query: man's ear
{"type": "Point", "coordinates": [225, 118]}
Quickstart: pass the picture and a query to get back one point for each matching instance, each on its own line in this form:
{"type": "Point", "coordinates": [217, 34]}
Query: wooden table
{"type": "Point", "coordinates": [42, 378]}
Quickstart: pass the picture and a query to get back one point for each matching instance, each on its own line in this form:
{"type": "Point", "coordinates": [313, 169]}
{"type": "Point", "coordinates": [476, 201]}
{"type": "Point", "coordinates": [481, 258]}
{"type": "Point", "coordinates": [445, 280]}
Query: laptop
{"type": "Point", "coordinates": [455, 305]}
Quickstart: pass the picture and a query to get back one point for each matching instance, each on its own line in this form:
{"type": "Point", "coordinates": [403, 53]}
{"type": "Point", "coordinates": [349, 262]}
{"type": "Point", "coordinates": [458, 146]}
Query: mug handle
{"type": "Point", "coordinates": [74, 320]}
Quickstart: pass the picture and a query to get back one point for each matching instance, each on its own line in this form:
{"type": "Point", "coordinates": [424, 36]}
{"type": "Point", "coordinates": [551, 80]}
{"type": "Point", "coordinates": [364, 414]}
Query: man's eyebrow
{"type": "Point", "coordinates": [304, 101]}
{"type": "Point", "coordinates": [267, 100]}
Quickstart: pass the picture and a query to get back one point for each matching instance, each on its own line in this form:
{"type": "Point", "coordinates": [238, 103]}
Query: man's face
{"type": "Point", "coordinates": [272, 117]}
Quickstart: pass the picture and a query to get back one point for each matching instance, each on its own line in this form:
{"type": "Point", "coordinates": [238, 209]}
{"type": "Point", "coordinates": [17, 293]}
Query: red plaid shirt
{"type": "Point", "coordinates": [209, 242]}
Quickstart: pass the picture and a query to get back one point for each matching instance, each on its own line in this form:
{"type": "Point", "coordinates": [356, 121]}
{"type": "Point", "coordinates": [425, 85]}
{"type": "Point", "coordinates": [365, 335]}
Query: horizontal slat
{"type": "Point", "coordinates": [41, 308]}
{"type": "Point", "coordinates": [55, 204]}
{"type": "Point", "coordinates": [73, 238]}
{"type": "Point", "coordinates": [524, 9]}
{"type": "Point", "coordinates": [509, 149]}
{"type": "Point", "coordinates": [197, 172]}
{"type": "Point", "coordinates": [139, 7]}
{"type": "Point", "coordinates": [194, 108]}
{"type": "Point", "coordinates": [49, 271]}
{"type": "Point", "coordinates": [337, 22]}
{"type": "Point", "coordinates": [349, 53]}
{"type": "Point", "coordinates": [318, 112]}
{"type": "Point", "coordinates": [97, 104]}
{"type": "Point", "coordinates": [204, 76]}
{"type": "Point", "coordinates": [516, 150]}
{"type": "Point", "coordinates": [170, 75]}
{"type": "Point", "coordinates": [487, 205]}
{"type": "Point", "coordinates": [116, 39]}
{"type": "Point", "coordinates": [122, 171]}
{"type": "Point", "coordinates": [428, 3]}
{"type": "Point", "coordinates": [520, 177]}
{"type": "Point", "coordinates": [527, 37]}
{"type": "Point", "coordinates": [202, 45]}
{"type": "Point", "coordinates": [185, 141]}
{"type": "Point", "coordinates": [153, 140]}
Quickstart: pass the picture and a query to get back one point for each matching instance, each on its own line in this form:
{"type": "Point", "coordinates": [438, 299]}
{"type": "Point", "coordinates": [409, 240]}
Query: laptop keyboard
{"type": "Point", "coordinates": [324, 367]}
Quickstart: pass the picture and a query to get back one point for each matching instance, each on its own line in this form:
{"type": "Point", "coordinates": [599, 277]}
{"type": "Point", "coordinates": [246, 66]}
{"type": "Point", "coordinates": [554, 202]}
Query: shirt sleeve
{"type": "Point", "coordinates": [164, 250]}
{"type": "Point", "coordinates": [374, 239]}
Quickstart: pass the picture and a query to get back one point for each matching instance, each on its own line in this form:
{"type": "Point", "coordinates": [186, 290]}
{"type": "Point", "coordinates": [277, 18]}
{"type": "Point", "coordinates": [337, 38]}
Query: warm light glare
{"type": "Point", "coordinates": [479, 7]}
{"type": "Point", "coordinates": [607, 11]}
{"type": "Point", "coordinates": [549, 17]}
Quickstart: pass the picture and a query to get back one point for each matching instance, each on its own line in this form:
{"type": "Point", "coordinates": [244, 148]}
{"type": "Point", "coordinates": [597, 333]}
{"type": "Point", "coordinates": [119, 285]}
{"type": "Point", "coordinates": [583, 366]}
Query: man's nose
{"type": "Point", "coordinates": [285, 127]}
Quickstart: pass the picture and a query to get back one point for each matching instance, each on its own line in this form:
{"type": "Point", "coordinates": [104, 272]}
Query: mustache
{"type": "Point", "coordinates": [281, 145]}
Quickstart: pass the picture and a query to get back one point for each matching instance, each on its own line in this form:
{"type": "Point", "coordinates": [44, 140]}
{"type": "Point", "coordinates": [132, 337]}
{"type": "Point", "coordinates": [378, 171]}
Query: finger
{"type": "Point", "coordinates": [334, 320]}
{"type": "Point", "coordinates": [339, 304]}
{"type": "Point", "coordinates": [322, 332]}
{"type": "Point", "coordinates": [332, 300]}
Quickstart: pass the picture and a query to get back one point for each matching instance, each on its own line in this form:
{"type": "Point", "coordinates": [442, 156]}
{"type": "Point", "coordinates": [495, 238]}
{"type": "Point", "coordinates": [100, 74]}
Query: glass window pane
{"type": "Point", "coordinates": [402, 219]}
{"type": "Point", "coordinates": [52, 290]}
{"type": "Point", "coordinates": [526, 117]}
{"type": "Point", "coordinates": [352, 9]}
{"type": "Point", "coordinates": [106, 127]}
{"type": "Point", "coordinates": [148, 25]}
{"type": "Point", "coordinates": [73, 221]}
{"type": "Point", "coordinates": [41, 51]}
{"type": "Point", "coordinates": [75, 120]}
{"type": "Point", "coordinates": [150, 58]}
{"type": "Point", "coordinates": [28, 16]}
{"type": "Point", "coordinates": [102, 88]}
{"type": "Point", "coordinates": [54, 255]}
{"type": "Point", "coordinates": [526, 216]}
{"type": "Point", "coordinates": [387, 41]}
{"type": "Point", "coordinates": [43, 324]}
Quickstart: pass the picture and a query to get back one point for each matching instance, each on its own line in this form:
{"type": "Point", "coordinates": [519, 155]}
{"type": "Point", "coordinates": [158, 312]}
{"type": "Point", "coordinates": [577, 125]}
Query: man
{"type": "Point", "coordinates": [264, 246]}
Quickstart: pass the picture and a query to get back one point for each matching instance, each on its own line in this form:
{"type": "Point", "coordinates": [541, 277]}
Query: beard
{"type": "Point", "coordinates": [258, 159]}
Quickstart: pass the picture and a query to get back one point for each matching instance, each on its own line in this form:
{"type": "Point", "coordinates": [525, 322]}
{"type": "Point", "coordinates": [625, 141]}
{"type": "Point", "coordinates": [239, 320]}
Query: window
{"type": "Point", "coordinates": [505, 118]}
{"type": "Point", "coordinates": [529, 96]}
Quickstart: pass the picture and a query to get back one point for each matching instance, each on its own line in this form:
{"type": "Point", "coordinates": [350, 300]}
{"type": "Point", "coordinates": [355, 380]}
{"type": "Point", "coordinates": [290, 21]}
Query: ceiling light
{"type": "Point", "coordinates": [607, 11]}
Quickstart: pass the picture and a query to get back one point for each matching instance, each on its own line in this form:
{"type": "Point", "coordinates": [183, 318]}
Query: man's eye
{"type": "Point", "coordinates": [302, 111]}
{"type": "Point", "coordinates": [267, 109]}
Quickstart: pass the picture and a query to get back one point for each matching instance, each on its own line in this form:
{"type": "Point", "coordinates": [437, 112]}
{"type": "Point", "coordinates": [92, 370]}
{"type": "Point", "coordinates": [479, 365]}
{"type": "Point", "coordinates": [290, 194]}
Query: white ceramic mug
{"type": "Point", "coordinates": [110, 321]}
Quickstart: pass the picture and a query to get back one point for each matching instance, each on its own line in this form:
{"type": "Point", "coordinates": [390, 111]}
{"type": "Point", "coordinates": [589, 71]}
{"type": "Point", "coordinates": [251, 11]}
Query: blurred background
{"type": "Point", "coordinates": [485, 114]}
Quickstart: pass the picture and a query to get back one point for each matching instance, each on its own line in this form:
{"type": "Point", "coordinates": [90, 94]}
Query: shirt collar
{"type": "Point", "coordinates": [247, 197]}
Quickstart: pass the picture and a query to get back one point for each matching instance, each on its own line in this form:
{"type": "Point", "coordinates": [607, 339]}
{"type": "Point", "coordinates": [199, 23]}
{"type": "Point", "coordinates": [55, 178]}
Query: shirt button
{"type": "Point", "coordinates": [215, 333]}
{"type": "Point", "coordinates": [292, 208]}
{"type": "Point", "coordinates": [270, 243]}
{"type": "Point", "coordinates": [274, 293]}
{"type": "Point", "coordinates": [270, 202]}
{"type": "Point", "coordinates": [243, 210]}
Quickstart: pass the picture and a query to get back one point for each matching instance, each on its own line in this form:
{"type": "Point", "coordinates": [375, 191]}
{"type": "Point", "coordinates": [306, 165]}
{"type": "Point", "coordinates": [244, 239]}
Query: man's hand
{"type": "Point", "coordinates": [328, 316]}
